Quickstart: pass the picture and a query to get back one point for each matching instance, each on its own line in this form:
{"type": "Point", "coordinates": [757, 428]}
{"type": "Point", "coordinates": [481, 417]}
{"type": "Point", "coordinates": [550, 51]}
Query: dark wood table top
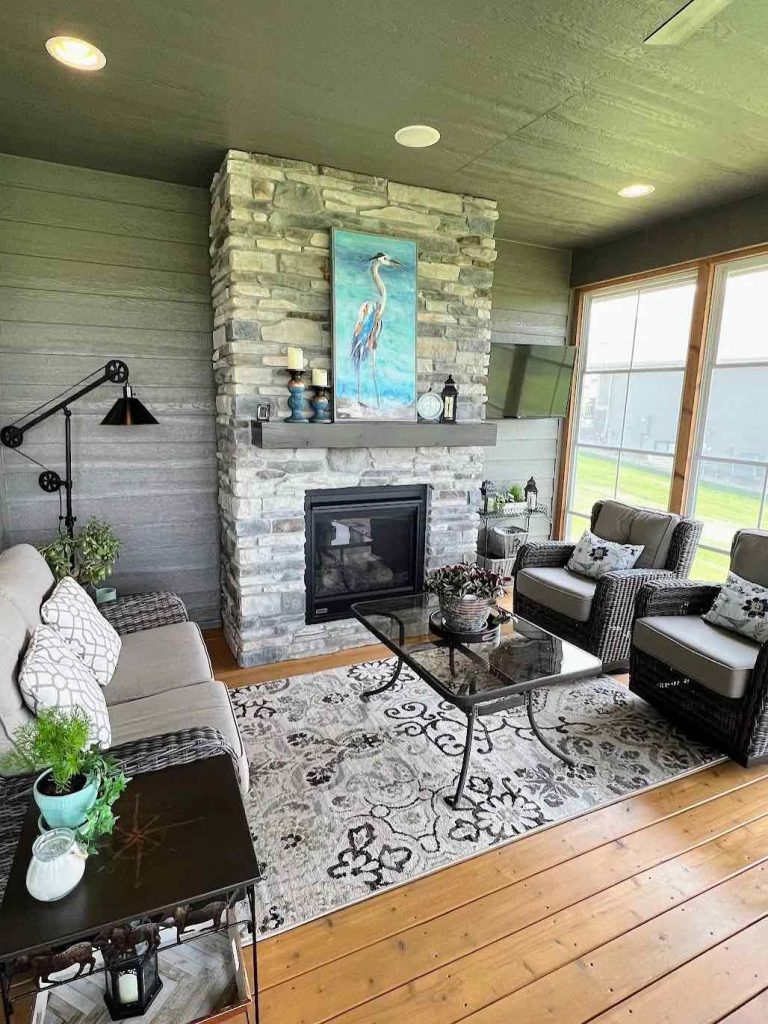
{"type": "Point", "coordinates": [182, 836]}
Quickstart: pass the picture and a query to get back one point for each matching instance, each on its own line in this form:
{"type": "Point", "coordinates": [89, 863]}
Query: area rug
{"type": "Point", "coordinates": [348, 796]}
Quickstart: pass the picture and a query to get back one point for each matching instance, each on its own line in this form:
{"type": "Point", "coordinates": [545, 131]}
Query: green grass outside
{"type": "Point", "coordinates": [723, 509]}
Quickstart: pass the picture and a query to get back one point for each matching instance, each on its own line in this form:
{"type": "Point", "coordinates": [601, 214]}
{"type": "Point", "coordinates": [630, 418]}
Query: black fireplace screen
{"type": "Point", "coordinates": [363, 543]}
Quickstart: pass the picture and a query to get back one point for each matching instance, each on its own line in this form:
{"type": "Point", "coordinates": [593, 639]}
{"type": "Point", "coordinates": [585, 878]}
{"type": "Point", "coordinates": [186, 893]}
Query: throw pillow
{"type": "Point", "coordinates": [742, 607]}
{"type": "Point", "coordinates": [52, 676]}
{"type": "Point", "coordinates": [94, 640]}
{"type": "Point", "coordinates": [595, 557]}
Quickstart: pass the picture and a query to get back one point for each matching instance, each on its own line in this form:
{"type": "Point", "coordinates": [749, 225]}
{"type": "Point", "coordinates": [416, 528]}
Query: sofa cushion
{"type": "Point", "coordinates": [628, 525]}
{"type": "Point", "coordinates": [719, 660]}
{"type": "Point", "coordinates": [14, 636]}
{"type": "Point", "coordinates": [750, 556]}
{"type": "Point", "coordinates": [94, 640]}
{"type": "Point", "coordinates": [52, 676]}
{"type": "Point", "coordinates": [202, 704]}
{"type": "Point", "coordinates": [155, 660]}
{"type": "Point", "coordinates": [25, 580]}
{"type": "Point", "coordinates": [558, 589]}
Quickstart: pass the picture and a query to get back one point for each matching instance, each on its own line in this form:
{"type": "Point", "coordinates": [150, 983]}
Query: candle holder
{"type": "Point", "coordinates": [296, 401]}
{"type": "Point", "coordinates": [322, 405]}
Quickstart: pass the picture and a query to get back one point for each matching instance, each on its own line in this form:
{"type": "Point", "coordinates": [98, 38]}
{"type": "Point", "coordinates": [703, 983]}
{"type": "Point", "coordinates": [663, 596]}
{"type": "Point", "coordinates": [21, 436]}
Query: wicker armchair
{"type": "Point", "coordinates": [597, 614]}
{"type": "Point", "coordinates": [727, 705]}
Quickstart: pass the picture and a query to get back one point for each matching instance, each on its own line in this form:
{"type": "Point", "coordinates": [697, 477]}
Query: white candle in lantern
{"type": "Point", "coordinates": [128, 988]}
{"type": "Point", "coordinates": [295, 359]}
{"type": "Point", "coordinates": [319, 378]}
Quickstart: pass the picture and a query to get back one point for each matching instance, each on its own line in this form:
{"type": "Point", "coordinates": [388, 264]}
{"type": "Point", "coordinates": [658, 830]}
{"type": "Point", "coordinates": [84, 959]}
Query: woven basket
{"type": "Point", "coordinates": [502, 566]}
{"type": "Point", "coordinates": [466, 614]}
{"type": "Point", "coordinates": [505, 541]}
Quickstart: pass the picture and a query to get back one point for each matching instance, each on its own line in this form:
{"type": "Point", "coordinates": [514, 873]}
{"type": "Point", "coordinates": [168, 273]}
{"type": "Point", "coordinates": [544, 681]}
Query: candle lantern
{"type": "Point", "coordinates": [132, 982]}
{"type": "Point", "coordinates": [449, 394]}
{"type": "Point", "coordinates": [531, 495]}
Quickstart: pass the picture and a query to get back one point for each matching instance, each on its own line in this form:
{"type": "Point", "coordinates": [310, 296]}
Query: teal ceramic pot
{"type": "Point", "coordinates": [69, 809]}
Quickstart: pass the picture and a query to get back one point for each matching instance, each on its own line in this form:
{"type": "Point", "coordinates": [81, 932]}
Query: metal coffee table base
{"type": "Point", "coordinates": [479, 711]}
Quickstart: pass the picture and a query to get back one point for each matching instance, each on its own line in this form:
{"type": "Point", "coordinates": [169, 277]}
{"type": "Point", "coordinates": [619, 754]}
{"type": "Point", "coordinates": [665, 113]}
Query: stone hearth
{"type": "Point", "coordinates": [270, 248]}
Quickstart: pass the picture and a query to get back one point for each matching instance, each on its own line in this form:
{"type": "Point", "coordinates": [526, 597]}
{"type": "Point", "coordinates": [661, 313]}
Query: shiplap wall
{"type": "Point", "coordinates": [531, 300]}
{"type": "Point", "coordinates": [95, 266]}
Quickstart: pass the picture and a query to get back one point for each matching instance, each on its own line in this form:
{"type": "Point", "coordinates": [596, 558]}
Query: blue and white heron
{"type": "Point", "coordinates": [365, 337]}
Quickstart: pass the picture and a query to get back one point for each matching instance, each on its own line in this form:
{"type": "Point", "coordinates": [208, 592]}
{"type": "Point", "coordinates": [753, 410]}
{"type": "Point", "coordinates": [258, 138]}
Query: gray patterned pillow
{"type": "Point", "coordinates": [595, 557]}
{"type": "Point", "coordinates": [94, 640]}
{"type": "Point", "coordinates": [742, 607]}
{"type": "Point", "coordinates": [52, 676]}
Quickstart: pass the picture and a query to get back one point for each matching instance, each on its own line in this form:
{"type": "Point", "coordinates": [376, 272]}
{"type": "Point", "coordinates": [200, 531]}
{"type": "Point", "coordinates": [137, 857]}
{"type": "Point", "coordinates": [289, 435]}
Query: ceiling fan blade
{"type": "Point", "coordinates": [685, 22]}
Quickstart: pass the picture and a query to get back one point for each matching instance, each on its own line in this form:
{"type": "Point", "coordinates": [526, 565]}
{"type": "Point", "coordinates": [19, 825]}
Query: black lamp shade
{"type": "Point", "coordinates": [128, 411]}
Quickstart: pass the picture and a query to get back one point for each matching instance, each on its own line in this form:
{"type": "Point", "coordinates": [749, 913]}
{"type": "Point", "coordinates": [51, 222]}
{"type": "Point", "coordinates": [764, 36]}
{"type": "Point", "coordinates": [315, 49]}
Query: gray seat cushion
{"type": "Point", "coordinates": [562, 591]}
{"type": "Point", "coordinates": [629, 525]}
{"type": "Point", "coordinates": [155, 660]}
{"type": "Point", "coordinates": [203, 704]}
{"type": "Point", "coordinates": [25, 580]}
{"type": "Point", "coordinates": [718, 659]}
{"type": "Point", "coordinates": [14, 636]}
{"type": "Point", "coordinates": [749, 558]}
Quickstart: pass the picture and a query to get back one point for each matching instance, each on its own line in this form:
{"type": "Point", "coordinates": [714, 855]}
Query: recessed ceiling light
{"type": "Point", "coordinates": [76, 53]}
{"type": "Point", "coordinates": [636, 191]}
{"type": "Point", "coordinates": [417, 136]}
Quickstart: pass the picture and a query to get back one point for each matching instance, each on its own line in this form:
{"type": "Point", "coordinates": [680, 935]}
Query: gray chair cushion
{"type": "Point", "coordinates": [155, 660]}
{"type": "Point", "coordinates": [14, 636]}
{"type": "Point", "coordinates": [629, 525]}
{"type": "Point", "coordinates": [190, 707]}
{"type": "Point", "coordinates": [714, 657]}
{"type": "Point", "coordinates": [562, 591]}
{"type": "Point", "coordinates": [25, 580]}
{"type": "Point", "coordinates": [749, 558]}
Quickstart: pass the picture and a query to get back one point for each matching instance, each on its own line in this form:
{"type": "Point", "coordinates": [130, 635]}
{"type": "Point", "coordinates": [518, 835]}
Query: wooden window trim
{"type": "Point", "coordinates": [694, 367]}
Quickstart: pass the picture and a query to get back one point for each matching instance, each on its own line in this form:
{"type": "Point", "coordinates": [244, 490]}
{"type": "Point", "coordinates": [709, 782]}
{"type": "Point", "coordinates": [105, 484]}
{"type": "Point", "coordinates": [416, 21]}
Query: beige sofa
{"type": "Point", "coordinates": [163, 682]}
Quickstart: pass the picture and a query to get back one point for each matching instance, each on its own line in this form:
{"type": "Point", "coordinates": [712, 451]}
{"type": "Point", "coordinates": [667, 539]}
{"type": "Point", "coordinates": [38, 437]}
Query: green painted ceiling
{"type": "Point", "coordinates": [548, 106]}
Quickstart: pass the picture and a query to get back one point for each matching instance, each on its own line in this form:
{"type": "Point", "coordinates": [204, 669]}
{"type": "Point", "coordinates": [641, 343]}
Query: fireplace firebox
{"type": "Point", "coordinates": [362, 543]}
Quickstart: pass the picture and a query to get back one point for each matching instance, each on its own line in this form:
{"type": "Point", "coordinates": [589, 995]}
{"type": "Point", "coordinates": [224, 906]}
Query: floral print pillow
{"type": "Point", "coordinates": [596, 557]}
{"type": "Point", "coordinates": [742, 607]}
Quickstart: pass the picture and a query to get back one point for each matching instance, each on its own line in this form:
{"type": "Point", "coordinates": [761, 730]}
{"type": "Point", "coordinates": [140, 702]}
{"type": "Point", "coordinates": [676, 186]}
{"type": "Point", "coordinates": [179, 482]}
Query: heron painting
{"type": "Point", "coordinates": [374, 326]}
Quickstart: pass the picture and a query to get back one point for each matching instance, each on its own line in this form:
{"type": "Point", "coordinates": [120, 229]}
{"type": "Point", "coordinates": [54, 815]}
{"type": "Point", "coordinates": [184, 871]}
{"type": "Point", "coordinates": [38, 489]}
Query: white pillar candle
{"type": "Point", "coordinates": [319, 378]}
{"type": "Point", "coordinates": [127, 988]}
{"type": "Point", "coordinates": [295, 359]}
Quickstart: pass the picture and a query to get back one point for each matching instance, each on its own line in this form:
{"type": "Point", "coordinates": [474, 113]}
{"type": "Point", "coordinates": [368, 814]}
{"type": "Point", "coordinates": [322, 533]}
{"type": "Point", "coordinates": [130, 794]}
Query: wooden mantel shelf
{"type": "Point", "coordinates": [278, 434]}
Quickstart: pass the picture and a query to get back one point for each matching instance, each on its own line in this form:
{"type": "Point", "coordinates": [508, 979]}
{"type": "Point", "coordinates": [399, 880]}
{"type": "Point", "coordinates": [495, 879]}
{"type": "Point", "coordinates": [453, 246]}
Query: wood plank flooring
{"type": "Point", "coordinates": [652, 910]}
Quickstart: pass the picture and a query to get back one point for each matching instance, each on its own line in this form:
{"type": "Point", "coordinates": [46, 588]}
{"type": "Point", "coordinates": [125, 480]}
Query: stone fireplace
{"type": "Point", "coordinates": [270, 265]}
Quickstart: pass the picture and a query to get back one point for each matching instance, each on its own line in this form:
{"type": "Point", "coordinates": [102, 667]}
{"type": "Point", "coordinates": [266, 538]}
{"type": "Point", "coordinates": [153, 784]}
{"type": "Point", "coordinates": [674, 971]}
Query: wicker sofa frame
{"type": "Point", "coordinates": [607, 632]}
{"type": "Point", "coordinates": [737, 726]}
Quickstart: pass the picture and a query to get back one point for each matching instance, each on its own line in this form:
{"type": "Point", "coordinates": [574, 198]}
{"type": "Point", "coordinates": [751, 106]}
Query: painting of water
{"type": "Point", "coordinates": [374, 326]}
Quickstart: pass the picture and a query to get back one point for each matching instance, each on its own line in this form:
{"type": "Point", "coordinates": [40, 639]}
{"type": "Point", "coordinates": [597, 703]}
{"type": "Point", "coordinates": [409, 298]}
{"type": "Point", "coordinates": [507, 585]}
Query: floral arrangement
{"type": "Point", "coordinates": [90, 556]}
{"type": "Point", "coordinates": [454, 582]}
{"type": "Point", "coordinates": [507, 493]}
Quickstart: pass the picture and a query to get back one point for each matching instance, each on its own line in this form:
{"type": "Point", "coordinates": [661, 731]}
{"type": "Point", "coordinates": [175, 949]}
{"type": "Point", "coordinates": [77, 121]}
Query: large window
{"type": "Point", "coordinates": [632, 364]}
{"type": "Point", "coordinates": [730, 459]}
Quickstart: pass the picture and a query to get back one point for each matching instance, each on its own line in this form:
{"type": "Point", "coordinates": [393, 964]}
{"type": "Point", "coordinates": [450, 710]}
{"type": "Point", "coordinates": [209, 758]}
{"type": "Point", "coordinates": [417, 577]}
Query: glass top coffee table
{"type": "Point", "coordinates": [481, 678]}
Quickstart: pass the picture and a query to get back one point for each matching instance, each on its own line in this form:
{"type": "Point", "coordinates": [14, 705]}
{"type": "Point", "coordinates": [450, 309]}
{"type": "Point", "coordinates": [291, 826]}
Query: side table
{"type": "Point", "coordinates": [136, 612]}
{"type": "Point", "coordinates": [181, 850]}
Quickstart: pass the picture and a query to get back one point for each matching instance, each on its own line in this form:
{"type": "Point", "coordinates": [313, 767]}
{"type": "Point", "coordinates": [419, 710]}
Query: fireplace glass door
{"type": "Point", "coordinates": [368, 544]}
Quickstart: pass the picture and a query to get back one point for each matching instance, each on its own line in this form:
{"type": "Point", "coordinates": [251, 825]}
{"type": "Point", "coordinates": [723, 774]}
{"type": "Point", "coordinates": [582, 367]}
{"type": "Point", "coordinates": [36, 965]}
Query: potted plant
{"type": "Point", "coordinates": [89, 557]}
{"type": "Point", "coordinates": [79, 784]}
{"type": "Point", "coordinates": [466, 593]}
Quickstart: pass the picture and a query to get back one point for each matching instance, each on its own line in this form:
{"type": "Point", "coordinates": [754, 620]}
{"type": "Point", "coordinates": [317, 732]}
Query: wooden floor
{"type": "Point", "coordinates": [652, 910]}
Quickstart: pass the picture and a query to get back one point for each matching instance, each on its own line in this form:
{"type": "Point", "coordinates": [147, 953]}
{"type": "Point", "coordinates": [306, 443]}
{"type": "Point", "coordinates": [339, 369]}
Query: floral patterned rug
{"type": "Point", "coordinates": [348, 796]}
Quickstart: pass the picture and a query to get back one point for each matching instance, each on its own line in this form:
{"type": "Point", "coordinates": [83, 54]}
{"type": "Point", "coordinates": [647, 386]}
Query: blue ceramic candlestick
{"type": "Point", "coordinates": [321, 404]}
{"type": "Point", "coordinates": [296, 401]}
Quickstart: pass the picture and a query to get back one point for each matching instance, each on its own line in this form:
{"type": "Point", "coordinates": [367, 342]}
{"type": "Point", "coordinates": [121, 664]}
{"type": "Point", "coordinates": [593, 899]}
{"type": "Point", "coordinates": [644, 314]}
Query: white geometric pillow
{"type": "Point", "coordinates": [742, 607]}
{"type": "Point", "coordinates": [52, 676]}
{"type": "Point", "coordinates": [595, 557]}
{"type": "Point", "coordinates": [94, 640]}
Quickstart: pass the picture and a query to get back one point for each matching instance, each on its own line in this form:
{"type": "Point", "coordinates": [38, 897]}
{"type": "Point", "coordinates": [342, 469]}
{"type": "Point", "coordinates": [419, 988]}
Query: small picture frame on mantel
{"type": "Point", "coordinates": [263, 412]}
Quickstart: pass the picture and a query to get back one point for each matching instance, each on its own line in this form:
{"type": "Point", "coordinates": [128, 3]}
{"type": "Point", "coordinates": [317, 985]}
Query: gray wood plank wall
{"type": "Point", "coordinates": [95, 266]}
{"type": "Point", "coordinates": [531, 300]}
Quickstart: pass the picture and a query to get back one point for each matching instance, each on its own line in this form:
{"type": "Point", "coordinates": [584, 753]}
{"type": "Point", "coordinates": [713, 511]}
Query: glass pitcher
{"type": "Point", "coordinates": [57, 865]}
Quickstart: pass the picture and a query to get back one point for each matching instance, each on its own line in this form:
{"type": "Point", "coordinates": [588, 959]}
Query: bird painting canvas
{"type": "Point", "coordinates": [374, 326]}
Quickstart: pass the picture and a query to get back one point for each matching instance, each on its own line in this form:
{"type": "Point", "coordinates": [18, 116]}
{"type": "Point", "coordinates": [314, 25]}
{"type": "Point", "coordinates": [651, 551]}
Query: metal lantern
{"type": "Point", "coordinates": [450, 395]}
{"type": "Point", "coordinates": [531, 495]}
{"type": "Point", "coordinates": [132, 981]}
